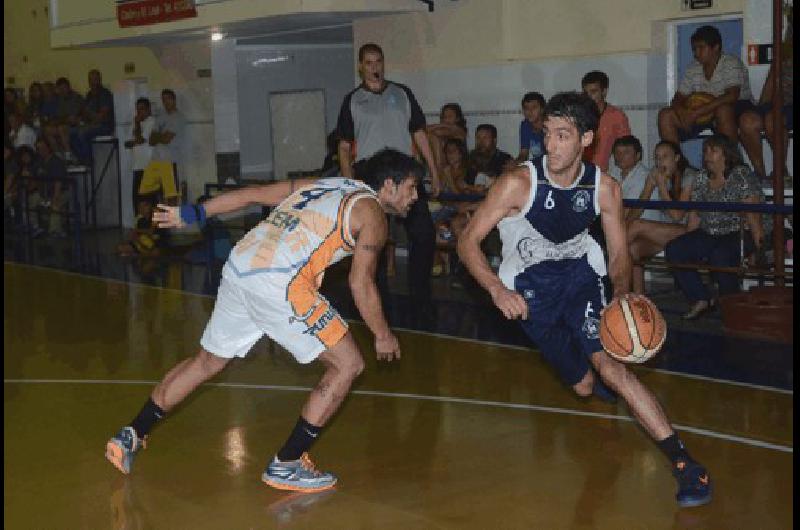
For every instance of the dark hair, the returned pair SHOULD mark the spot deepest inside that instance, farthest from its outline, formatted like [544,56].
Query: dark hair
[462,148]
[145,101]
[62,81]
[23,150]
[683,164]
[35,84]
[168,92]
[708,34]
[595,76]
[730,150]
[43,140]
[575,107]
[455,107]
[389,164]
[369,47]
[534,96]
[630,140]
[487,127]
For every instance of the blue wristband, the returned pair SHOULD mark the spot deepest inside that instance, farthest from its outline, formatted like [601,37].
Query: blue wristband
[193,213]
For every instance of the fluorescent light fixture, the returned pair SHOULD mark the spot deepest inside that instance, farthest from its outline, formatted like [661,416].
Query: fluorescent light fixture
[217,36]
[268,60]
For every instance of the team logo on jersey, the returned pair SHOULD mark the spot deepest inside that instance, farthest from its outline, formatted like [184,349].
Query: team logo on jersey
[525,250]
[580,201]
[591,328]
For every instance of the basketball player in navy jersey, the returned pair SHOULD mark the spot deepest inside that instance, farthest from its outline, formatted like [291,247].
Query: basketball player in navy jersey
[550,276]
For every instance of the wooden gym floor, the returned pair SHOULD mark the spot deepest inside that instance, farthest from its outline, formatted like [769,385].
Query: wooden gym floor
[459,434]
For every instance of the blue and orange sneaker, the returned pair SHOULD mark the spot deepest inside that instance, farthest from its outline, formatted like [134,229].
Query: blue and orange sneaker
[297,475]
[694,484]
[122,447]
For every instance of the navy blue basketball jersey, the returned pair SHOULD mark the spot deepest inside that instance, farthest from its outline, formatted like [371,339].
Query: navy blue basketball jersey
[552,229]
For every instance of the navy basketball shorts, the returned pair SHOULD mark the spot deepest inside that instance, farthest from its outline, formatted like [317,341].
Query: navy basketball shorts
[564,306]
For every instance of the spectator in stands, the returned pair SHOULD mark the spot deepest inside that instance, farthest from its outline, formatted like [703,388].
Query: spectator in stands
[33,111]
[97,118]
[752,123]
[720,75]
[531,129]
[613,122]
[451,125]
[27,167]
[12,104]
[52,193]
[486,161]
[10,172]
[447,216]
[141,150]
[629,170]
[166,139]
[68,116]
[712,236]
[49,106]
[380,113]
[649,231]
[19,132]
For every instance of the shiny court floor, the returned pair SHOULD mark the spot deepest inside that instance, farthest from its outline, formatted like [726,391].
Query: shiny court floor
[459,434]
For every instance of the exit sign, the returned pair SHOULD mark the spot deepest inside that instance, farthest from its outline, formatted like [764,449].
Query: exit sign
[696,4]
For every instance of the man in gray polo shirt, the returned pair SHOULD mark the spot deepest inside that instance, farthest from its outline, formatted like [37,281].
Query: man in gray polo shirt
[380,114]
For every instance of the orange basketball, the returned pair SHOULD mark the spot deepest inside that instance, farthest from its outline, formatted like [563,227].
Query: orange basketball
[632,330]
[698,99]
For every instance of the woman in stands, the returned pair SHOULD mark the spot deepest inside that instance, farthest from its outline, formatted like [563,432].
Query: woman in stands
[649,231]
[451,125]
[713,237]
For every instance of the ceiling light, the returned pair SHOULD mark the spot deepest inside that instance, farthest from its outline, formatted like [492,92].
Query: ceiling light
[217,36]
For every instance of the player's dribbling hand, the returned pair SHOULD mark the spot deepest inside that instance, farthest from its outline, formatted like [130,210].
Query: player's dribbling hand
[167,217]
[510,303]
[387,347]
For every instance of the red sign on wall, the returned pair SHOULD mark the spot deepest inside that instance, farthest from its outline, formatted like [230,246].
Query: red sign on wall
[144,12]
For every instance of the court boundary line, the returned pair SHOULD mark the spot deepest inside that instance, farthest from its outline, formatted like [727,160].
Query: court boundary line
[425,397]
[765,388]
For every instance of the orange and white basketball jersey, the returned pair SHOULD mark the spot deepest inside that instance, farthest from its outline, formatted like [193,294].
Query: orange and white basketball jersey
[304,235]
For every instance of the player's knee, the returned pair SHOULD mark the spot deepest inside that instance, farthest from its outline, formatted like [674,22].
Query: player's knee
[585,386]
[351,366]
[210,363]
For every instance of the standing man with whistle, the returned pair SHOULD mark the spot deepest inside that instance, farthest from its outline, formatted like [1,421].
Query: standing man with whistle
[381,114]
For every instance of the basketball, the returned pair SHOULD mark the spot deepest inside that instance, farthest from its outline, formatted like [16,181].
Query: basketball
[632,330]
[698,99]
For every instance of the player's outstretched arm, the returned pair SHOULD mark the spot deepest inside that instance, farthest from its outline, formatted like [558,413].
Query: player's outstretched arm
[369,228]
[505,198]
[612,216]
[230,201]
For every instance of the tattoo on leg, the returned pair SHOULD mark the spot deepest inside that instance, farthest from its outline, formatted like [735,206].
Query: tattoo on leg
[323,389]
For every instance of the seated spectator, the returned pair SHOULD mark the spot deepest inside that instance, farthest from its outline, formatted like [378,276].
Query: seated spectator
[143,124]
[451,125]
[713,237]
[97,118]
[752,123]
[613,122]
[68,117]
[49,197]
[448,218]
[12,104]
[33,111]
[648,233]
[486,162]
[19,132]
[27,167]
[49,107]
[721,76]
[10,172]
[629,170]
[531,129]
[144,239]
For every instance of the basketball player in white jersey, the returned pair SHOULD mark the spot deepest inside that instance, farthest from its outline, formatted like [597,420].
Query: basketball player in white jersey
[270,286]
[551,274]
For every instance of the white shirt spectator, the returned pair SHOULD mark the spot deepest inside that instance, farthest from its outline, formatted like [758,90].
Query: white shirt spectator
[25,135]
[633,185]
[143,153]
[729,72]
[174,123]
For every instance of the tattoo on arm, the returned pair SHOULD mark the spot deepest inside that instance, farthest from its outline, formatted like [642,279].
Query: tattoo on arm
[370,247]
[323,388]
